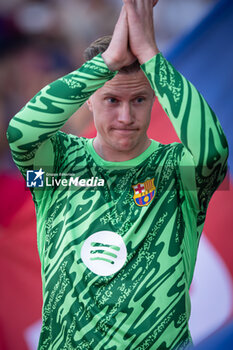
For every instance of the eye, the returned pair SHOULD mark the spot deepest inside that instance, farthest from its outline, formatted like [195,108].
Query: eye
[111,100]
[139,99]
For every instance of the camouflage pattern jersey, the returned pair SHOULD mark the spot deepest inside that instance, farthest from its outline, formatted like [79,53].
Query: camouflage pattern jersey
[117,260]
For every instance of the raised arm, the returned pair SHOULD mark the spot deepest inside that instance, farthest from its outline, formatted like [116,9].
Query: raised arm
[205,147]
[47,112]
[203,160]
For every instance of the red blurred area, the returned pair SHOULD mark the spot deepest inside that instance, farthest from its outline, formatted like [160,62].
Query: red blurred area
[20,292]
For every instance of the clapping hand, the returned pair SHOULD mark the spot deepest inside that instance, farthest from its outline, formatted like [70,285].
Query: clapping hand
[133,37]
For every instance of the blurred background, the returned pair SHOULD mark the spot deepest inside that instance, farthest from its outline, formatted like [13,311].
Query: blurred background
[43,40]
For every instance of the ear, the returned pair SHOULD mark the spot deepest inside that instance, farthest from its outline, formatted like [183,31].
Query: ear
[89,105]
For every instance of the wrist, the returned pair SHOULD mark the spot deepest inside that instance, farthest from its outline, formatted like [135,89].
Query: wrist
[110,63]
[147,54]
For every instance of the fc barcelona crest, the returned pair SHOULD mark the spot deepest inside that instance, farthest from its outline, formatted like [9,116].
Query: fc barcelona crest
[144,192]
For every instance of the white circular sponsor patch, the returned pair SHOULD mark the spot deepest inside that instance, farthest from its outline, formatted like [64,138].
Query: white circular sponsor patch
[104,253]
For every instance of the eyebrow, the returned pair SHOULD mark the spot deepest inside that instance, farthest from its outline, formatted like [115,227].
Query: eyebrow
[140,93]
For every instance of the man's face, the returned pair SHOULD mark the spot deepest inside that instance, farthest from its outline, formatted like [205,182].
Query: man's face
[122,111]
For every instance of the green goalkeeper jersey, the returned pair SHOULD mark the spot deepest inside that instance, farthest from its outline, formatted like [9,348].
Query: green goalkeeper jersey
[118,258]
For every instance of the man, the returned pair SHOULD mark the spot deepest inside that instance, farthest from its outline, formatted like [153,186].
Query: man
[117,261]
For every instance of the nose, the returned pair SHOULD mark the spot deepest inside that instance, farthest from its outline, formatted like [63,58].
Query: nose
[125,115]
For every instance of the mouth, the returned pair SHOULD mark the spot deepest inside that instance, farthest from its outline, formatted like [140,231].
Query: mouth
[125,130]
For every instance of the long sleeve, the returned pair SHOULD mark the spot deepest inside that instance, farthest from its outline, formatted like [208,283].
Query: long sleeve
[48,111]
[205,146]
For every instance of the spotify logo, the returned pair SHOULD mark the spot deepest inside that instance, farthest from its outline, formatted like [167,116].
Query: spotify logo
[104,253]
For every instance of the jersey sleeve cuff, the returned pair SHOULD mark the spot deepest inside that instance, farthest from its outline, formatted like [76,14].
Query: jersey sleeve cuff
[152,67]
[98,68]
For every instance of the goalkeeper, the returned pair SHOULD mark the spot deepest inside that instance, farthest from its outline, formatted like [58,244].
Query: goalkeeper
[117,260]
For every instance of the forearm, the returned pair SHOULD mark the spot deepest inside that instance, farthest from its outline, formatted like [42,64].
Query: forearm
[195,123]
[47,112]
